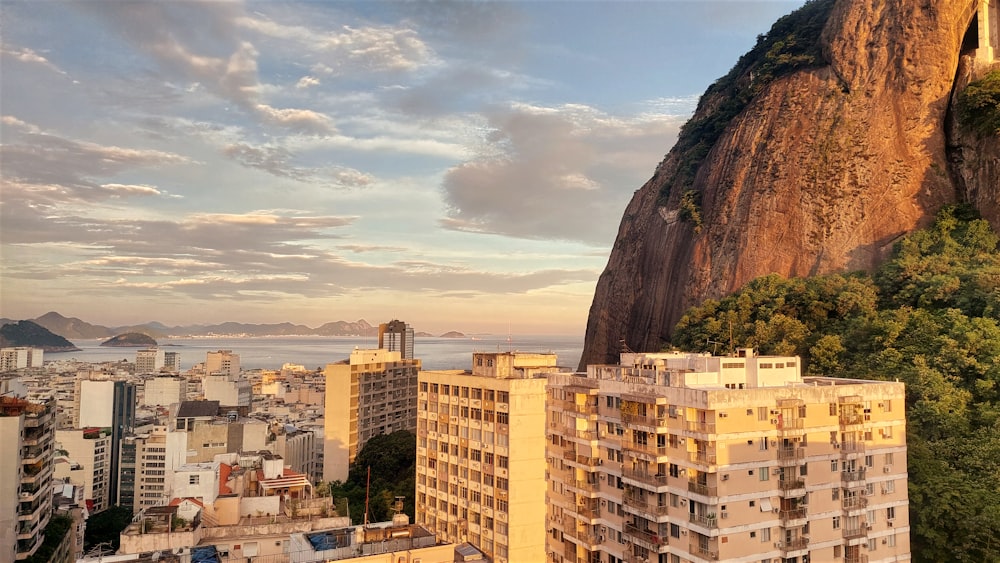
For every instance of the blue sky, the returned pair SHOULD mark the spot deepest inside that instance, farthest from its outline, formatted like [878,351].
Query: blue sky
[460,165]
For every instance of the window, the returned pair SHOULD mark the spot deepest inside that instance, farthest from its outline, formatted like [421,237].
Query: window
[761,413]
[890,512]
[804,470]
[675,531]
[502,483]
[763,444]
[888,458]
[488,458]
[872,544]
[765,535]
[423,386]
[837,549]
[502,461]
[503,397]
[194,479]
[836,522]
[889,487]
[501,505]
[674,470]
[869,461]
[502,418]
[890,540]
[833,465]
[764,474]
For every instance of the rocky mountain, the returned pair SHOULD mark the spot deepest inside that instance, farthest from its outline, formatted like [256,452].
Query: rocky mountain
[833,137]
[27,333]
[72,327]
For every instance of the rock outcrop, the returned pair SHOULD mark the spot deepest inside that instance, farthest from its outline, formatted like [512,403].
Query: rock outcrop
[820,169]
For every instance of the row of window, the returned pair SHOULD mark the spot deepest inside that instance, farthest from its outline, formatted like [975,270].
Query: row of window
[466,392]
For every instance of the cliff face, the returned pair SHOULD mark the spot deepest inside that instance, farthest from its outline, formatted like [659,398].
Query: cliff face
[821,170]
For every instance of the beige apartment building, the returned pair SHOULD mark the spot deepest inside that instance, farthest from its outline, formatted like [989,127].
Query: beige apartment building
[374,393]
[481,454]
[26,432]
[676,457]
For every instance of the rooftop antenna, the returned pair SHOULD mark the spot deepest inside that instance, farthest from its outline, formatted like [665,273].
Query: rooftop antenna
[368,487]
[714,348]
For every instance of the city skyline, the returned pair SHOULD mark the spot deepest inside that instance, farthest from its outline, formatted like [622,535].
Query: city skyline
[451,164]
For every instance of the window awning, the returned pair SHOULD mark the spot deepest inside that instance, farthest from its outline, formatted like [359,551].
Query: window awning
[765,505]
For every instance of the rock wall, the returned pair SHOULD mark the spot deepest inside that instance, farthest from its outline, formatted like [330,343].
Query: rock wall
[822,171]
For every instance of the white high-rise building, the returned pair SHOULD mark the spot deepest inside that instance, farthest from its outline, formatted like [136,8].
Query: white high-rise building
[19,358]
[150,360]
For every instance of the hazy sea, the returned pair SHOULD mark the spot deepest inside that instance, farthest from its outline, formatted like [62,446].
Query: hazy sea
[270,352]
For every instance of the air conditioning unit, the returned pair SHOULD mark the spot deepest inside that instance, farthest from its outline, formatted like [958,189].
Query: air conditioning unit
[887,469]
[774,510]
[836,445]
[889,522]
[881,405]
[724,514]
[774,411]
[774,421]
[776,471]
[725,476]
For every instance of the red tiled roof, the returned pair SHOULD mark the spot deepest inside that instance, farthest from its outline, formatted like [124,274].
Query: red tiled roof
[225,470]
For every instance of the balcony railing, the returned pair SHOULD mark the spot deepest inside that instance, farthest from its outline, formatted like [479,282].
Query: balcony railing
[855,559]
[791,484]
[790,453]
[855,475]
[647,536]
[644,477]
[644,420]
[855,503]
[790,424]
[853,447]
[700,427]
[793,514]
[704,456]
[589,486]
[851,533]
[851,419]
[794,544]
[650,449]
[706,520]
[707,553]
[701,489]
[583,409]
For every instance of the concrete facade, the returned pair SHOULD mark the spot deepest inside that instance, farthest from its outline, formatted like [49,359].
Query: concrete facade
[373,394]
[164,391]
[480,469]
[224,362]
[26,430]
[150,360]
[693,458]
[20,357]
[90,448]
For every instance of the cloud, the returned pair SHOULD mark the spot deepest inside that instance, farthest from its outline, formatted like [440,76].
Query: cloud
[198,42]
[351,49]
[278,161]
[307,82]
[561,172]
[130,189]
[29,56]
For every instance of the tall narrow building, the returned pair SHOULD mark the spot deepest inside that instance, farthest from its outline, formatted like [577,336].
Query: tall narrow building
[481,454]
[692,458]
[27,435]
[396,336]
[374,393]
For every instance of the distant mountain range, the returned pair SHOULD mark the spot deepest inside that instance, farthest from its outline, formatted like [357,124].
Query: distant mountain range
[27,333]
[73,328]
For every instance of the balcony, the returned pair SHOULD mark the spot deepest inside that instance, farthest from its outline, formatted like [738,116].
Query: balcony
[644,506]
[791,484]
[793,514]
[648,449]
[700,427]
[790,425]
[585,434]
[582,409]
[852,533]
[704,456]
[852,419]
[794,544]
[705,552]
[852,447]
[706,520]
[644,420]
[648,537]
[658,480]
[703,489]
[854,475]
[855,559]
[855,502]
[790,453]
[586,486]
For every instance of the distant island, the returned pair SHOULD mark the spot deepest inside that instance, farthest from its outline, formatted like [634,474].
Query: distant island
[130,340]
[71,327]
[27,333]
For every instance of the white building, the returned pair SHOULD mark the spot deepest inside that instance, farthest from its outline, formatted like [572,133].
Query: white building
[197,480]
[91,448]
[19,358]
[149,360]
[164,391]
[230,390]
[95,403]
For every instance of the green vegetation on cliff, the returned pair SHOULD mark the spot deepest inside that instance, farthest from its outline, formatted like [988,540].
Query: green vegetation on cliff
[930,318]
[979,105]
[791,44]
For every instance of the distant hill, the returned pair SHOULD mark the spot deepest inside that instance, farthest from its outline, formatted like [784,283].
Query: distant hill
[28,333]
[76,328]
[453,334]
[130,340]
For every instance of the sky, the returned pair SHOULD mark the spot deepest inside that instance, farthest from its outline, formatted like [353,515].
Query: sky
[457,165]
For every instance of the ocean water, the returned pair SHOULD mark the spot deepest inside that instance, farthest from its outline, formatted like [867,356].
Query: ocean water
[317,351]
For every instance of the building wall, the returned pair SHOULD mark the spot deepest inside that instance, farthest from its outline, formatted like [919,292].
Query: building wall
[645,464]
[10,482]
[165,391]
[340,436]
[480,470]
[229,390]
[97,401]
[150,360]
[222,361]
[95,456]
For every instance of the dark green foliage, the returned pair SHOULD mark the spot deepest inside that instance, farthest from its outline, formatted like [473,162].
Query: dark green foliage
[930,318]
[393,461]
[791,44]
[28,333]
[979,105]
[690,209]
[55,532]
[106,526]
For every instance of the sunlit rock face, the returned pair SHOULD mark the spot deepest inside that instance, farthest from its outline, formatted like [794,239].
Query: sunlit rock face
[821,171]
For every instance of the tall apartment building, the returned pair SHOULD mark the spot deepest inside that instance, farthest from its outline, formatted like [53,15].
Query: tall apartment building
[19,358]
[156,456]
[222,361]
[396,336]
[229,390]
[374,393]
[480,468]
[91,448]
[164,391]
[689,458]
[150,360]
[26,431]
[172,362]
